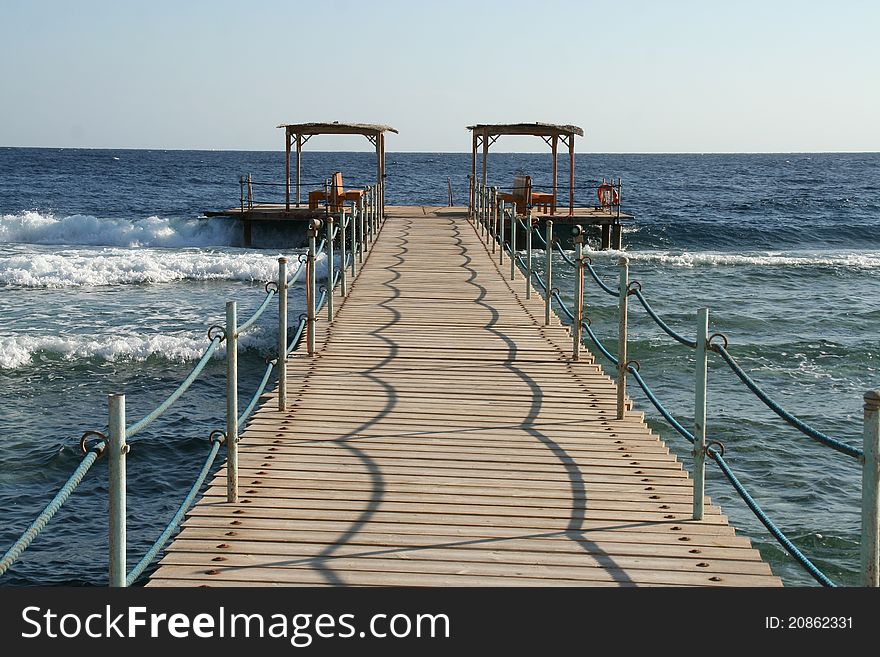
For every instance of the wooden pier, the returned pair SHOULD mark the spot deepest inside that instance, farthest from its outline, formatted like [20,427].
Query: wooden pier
[442,436]
[605,220]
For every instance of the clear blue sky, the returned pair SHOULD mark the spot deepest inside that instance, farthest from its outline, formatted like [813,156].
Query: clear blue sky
[638,76]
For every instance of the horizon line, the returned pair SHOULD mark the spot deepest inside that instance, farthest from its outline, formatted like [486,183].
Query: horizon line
[251,150]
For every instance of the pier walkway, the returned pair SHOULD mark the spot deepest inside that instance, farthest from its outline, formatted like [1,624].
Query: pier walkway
[442,436]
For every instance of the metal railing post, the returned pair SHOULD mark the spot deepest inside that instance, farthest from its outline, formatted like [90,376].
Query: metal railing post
[529,231]
[870,495]
[355,240]
[311,297]
[622,338]
[116,451]
[486,214]
[281,363]
[363,227]
[371,215]
[494,226]
[501,233]
[513,230]
[482,210]
[231,402]
[241,193]
[702,374]
[250,185]
[374,214]
[577,333]
[478,206]
[343,254]
[331,265]
[548,273]
[489,212]
[470,196]
[485,211]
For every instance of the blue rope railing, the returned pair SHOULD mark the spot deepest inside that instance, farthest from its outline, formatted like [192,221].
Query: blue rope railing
[157,412]
[175,521]
[37,526]
[93,453]
[675,335]
[595,275]
[256,397]
[794,421]
[756,389]
[781,538]
[270,294]
[752,504]
[27,537]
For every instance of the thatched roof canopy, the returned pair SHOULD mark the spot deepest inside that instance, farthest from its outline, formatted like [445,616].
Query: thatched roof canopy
[336,128]
[535,129]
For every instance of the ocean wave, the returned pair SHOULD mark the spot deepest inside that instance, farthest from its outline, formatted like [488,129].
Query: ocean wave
[21,350]
[852,260]
[37,228]
[90,268]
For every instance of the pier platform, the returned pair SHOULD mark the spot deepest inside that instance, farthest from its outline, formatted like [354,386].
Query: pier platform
[441,435]
[278,214]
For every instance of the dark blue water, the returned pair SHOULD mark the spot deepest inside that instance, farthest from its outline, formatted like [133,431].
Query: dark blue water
[109,279]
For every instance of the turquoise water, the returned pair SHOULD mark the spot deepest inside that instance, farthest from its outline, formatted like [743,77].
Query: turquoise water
[109,280]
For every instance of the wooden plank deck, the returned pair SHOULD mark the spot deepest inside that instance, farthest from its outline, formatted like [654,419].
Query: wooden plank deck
[441,436]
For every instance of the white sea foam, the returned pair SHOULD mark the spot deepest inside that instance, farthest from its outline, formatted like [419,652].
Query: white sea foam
[852,260]
[89,267]
[20,350]
[38,228]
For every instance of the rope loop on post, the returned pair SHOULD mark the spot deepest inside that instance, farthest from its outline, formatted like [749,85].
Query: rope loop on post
[634,364]
[633,287]
[213,438]
[271,286]
[712,337]
[213,332]
[715,453]
[99,450]
[302,258]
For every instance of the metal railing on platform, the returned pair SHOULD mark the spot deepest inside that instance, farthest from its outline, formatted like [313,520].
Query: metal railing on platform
[489,217]
[248,198]
[365,218]
[607,193]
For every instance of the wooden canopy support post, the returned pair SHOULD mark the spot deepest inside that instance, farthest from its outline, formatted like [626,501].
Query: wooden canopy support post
[474,158]
[287,170]
[299,147]
[571,174]
[381,200]
[485,155]
[377,142]
[554,146]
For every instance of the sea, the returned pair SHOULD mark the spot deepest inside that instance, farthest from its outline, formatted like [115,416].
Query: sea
[110,276]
